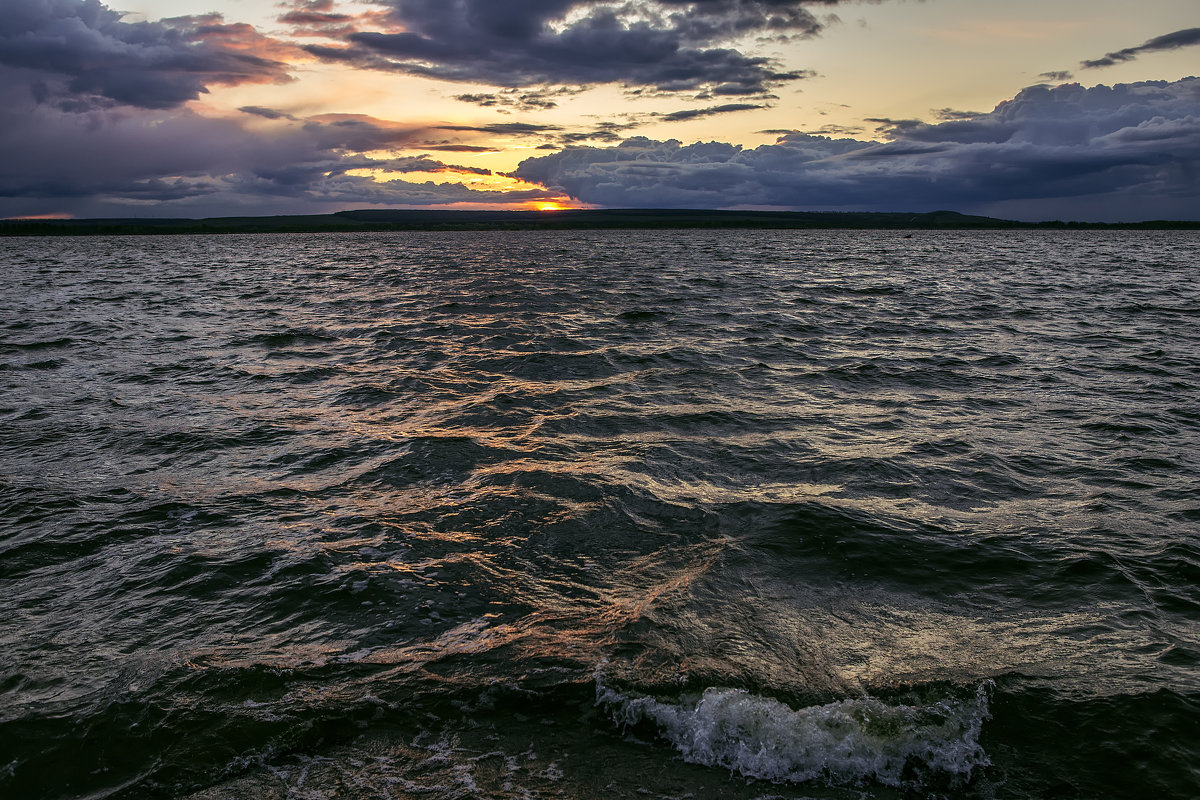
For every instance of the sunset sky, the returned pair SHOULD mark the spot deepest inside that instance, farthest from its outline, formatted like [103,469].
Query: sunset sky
[1071,109]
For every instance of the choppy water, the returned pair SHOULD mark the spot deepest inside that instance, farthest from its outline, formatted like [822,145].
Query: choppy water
[597,515]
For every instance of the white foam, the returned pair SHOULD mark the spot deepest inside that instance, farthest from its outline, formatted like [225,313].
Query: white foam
[863,738]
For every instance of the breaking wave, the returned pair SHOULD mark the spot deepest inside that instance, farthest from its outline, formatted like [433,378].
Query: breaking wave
[847,741]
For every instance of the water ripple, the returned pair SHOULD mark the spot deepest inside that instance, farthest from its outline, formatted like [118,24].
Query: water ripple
[348,515]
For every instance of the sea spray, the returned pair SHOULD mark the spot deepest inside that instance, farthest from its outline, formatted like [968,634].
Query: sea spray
[848,741]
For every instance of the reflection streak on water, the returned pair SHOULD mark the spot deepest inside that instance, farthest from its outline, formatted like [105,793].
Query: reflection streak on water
[804,464]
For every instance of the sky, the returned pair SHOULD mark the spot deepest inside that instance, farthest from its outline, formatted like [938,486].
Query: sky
[1071,109]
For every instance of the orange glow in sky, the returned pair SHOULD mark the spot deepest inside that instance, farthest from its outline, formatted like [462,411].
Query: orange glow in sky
[290,106]
[43,216]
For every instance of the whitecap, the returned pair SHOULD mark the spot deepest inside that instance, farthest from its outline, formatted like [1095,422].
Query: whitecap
[849,741]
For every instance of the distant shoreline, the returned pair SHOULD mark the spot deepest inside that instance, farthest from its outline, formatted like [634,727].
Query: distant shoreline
[586,219]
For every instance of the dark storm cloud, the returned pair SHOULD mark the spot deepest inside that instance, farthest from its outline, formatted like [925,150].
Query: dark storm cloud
[1058,75]
[1110,152]
[83,53]
[1171,41]
[670,45]
[126,161]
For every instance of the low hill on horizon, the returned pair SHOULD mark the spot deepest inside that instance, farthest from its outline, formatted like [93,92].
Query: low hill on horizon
[572,219]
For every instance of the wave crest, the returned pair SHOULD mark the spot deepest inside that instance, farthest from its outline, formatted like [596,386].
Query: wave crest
[848,741]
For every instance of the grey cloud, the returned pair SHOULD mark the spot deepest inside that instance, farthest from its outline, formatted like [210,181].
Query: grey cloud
[315,13]
[1170,41]
[145,162]
[1110,152]
[360,133]
[605,131]
[425,164]
[696,113]
[266,113]
[403,164]
[503,128]
[1058,75]
[80,49]
[670,45]
[320,19]
[946,114]
[458,148]
[338,191]
[529,101]
[893,128]
[835,130]
[486,100]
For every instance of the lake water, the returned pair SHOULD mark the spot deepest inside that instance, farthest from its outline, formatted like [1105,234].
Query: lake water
[800,514]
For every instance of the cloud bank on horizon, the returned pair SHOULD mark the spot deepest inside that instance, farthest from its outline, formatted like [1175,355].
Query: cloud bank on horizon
[99,116]
[1096,151]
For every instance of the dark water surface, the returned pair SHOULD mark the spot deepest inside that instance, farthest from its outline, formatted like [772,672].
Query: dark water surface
[598,515]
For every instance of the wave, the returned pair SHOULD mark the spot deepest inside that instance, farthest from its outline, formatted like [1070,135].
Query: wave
[848,741]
